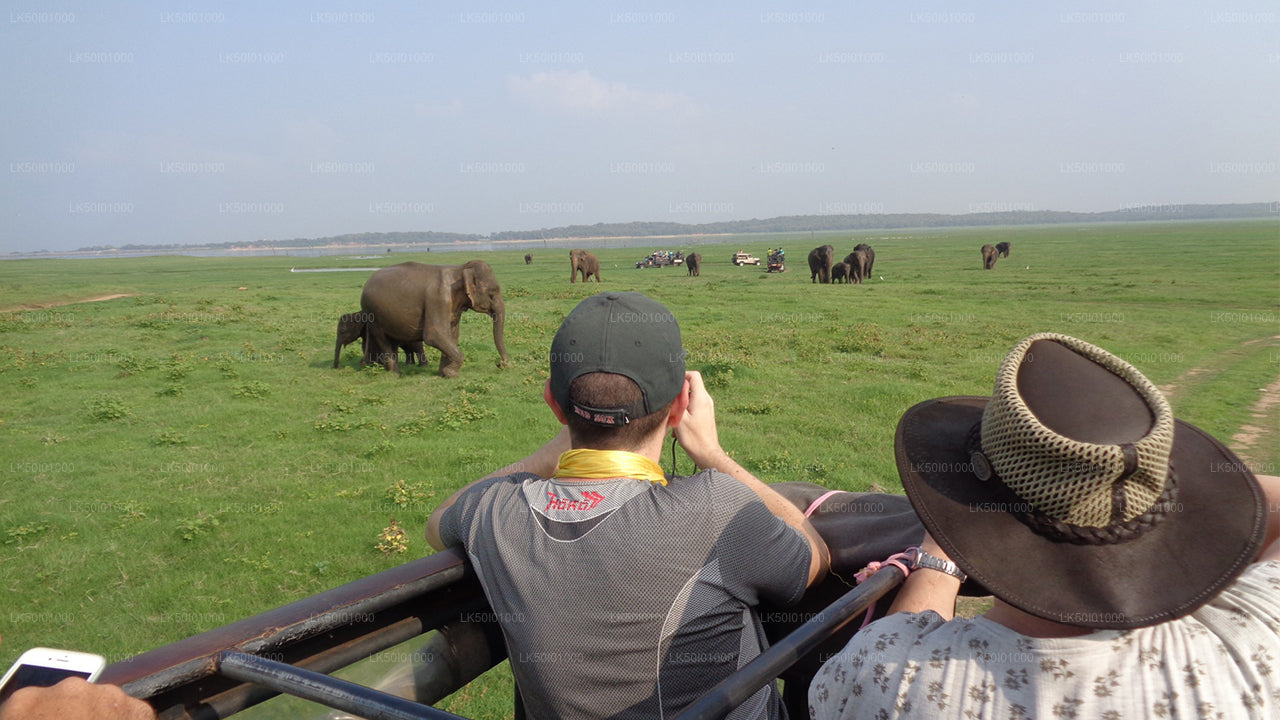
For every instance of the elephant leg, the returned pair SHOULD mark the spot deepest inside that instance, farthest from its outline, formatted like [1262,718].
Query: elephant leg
[446,342]
[382,351]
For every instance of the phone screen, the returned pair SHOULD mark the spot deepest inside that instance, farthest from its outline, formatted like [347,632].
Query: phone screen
[38,675]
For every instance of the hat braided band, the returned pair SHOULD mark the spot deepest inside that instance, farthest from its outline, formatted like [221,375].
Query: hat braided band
[1083,484]
[1055,529]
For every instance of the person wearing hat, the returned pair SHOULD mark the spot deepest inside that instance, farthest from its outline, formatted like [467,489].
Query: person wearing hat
[622,592]
[1133,558]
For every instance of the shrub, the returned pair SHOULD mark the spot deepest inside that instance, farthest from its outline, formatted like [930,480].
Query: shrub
[192,528]
[392,539]
[108,407]
[19,535]
[169,437]
[255,389]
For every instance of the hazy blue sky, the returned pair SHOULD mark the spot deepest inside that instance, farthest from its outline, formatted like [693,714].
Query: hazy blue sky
[221,121]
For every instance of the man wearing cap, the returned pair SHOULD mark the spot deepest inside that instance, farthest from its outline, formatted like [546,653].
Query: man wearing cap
[623,593]
[1133,558]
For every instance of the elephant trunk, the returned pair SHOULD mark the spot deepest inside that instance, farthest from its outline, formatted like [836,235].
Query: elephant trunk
[337,352]
[499,315]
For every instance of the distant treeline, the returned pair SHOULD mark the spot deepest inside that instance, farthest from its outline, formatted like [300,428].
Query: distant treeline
[788,223]
[836,223]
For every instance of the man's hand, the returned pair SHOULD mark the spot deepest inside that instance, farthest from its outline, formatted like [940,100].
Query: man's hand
[74,699]
[697,432]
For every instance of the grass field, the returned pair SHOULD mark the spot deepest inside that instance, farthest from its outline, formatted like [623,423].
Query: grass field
[185,456]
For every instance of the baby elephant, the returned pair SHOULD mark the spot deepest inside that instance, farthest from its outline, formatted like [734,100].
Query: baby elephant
[353,326]
[840,273]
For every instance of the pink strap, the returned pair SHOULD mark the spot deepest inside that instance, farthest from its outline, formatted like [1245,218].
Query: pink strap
[898,561]
[821,499]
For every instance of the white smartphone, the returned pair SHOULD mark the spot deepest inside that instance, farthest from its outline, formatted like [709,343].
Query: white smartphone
[45,667]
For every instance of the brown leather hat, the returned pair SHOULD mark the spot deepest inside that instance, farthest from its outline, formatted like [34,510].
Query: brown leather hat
[1073,494]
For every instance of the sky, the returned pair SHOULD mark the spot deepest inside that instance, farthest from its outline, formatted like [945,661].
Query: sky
[188,123]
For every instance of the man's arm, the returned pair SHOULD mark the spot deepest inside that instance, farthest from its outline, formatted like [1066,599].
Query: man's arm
[541,462]
[698,436]
[927,589]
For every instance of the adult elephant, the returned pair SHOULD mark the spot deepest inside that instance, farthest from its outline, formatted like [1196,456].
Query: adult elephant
[585,262]
[412,301]
[840,273]
[528,258]
[1003,249]
[820,260]
[354,326]
[693,261]
[871,258]
[989,256]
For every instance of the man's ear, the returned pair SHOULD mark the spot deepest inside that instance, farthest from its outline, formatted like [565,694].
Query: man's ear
[551,403]
[679,405]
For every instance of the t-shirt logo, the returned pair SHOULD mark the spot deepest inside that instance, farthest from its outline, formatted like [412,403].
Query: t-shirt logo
[590,499]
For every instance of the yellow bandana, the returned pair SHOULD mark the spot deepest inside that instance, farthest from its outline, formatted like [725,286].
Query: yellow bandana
[588,463]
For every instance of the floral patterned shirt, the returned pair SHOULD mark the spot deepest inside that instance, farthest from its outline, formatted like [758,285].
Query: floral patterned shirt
[1221,661]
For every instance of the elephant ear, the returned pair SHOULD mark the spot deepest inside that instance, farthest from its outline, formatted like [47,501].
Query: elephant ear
[472,284]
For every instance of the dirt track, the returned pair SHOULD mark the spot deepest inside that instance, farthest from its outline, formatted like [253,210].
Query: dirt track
[42,306]
[1258,431]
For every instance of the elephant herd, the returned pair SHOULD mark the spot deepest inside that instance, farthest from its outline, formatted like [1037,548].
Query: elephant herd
[855,267]
[991,252]
[411,305]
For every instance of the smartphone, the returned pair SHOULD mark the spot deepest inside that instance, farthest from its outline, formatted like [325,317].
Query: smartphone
[45,667]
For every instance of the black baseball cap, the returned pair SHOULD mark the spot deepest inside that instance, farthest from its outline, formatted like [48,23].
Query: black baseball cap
[624,333]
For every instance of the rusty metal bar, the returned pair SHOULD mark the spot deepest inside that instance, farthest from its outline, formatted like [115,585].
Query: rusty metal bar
[328,691]
[461,652]
[321,633]
[734,690]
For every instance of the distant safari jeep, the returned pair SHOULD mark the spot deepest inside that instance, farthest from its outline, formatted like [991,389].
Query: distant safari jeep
[741,258]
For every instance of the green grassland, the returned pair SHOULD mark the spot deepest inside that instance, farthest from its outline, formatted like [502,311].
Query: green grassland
[183,457]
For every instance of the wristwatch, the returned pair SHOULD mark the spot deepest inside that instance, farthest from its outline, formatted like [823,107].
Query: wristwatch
[921,559]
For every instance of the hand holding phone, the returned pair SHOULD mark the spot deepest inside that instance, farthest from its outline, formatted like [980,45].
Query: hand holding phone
[45,667]
[48,684]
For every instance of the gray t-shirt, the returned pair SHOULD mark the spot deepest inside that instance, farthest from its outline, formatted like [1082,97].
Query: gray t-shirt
[624,598]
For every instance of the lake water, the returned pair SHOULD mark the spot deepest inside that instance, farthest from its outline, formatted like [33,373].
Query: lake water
[648,244]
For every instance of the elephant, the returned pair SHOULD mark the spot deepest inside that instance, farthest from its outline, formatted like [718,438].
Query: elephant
[860,262]
[1003,249]
[416,302]
[989,256]
[354,326]
[585,262]
[528,258]
[820,259]
[840,273]
[693,261]
[871,258]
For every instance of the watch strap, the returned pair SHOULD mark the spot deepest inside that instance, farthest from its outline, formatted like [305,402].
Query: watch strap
[922,559]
